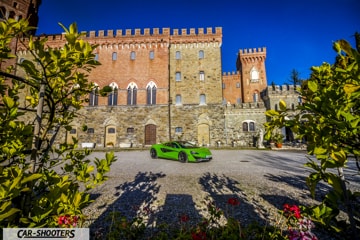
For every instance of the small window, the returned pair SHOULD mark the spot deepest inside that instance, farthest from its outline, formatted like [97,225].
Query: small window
[90,130]
[132,55]
[178,76]
[178,130]
[223,86]
[202,99]
[256,97]
[73,131]
[177,55]
[96,57]
[238,100]
[151,55]
[178,100]
[130,130]
[237,85]
[111,130]
[202,75]
[201,54]
[114,56]
[252,126]
[245,127]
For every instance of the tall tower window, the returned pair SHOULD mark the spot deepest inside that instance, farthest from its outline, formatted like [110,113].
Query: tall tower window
[178,55]
[201,54]
[132,55]
[202,99]
[178,76]
[96,57]
[178,100]
[131,94]
[151,93]
[114,56]
[151,55]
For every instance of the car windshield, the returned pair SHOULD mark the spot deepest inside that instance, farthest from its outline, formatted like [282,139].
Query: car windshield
[186,144]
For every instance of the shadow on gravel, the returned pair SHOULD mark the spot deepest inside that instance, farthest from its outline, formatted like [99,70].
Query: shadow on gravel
[223,188]
[134,196]
[278,196]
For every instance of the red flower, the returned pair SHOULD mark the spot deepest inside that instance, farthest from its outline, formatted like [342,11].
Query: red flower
[233,201]
[292,210]
[198,236]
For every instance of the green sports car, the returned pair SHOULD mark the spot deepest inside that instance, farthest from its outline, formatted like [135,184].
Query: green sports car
[180,150]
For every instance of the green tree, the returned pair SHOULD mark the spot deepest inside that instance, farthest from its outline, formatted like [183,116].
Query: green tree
[329,118]
[41,185]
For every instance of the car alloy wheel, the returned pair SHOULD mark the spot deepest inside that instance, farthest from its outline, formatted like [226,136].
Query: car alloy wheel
[182,157]
[153,153]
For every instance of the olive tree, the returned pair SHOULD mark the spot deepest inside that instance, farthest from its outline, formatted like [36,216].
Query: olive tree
[39,183]
[329,119]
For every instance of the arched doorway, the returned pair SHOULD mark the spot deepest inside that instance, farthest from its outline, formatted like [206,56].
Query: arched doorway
[150,134]
[203,134]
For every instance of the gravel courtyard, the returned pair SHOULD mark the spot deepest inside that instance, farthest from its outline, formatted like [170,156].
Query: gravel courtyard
[262,180]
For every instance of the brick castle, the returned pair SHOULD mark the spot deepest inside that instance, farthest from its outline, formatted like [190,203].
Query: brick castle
[168,84]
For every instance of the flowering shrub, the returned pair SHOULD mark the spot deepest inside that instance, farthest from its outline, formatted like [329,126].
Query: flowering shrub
[67,221]
[292,225]
[299,227]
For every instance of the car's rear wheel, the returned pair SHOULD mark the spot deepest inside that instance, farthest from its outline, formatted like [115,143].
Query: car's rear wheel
[153,153]
[183,157]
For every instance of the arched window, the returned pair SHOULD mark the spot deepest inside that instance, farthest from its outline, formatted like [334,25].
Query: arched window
[94,96]
[151,93]
[256,97]
[178,76]
[201,54]
[251,126]
[245,127]
[2,12]
[112,97]
[254,75]
[131,94]
[248,126]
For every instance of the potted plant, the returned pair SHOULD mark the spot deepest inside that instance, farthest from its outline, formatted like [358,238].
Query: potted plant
[278,139]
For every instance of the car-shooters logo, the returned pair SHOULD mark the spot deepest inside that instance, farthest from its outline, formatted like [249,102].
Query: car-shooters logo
[46,233]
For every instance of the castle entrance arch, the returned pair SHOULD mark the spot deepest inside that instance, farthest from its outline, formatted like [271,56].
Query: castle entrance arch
[150,134]
[203,134]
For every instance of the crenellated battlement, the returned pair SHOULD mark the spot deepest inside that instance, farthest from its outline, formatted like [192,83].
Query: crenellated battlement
[284,89]
[231,73]
[146,35]
[253,105]
[252,51]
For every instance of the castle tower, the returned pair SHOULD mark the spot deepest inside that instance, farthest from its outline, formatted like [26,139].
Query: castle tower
[195,66]
[20,9]
[251,64]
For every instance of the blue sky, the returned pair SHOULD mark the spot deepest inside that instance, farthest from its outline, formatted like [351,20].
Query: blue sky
[298,34]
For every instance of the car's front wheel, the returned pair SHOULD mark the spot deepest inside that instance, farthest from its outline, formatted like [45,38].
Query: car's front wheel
[153,153]
[182,157]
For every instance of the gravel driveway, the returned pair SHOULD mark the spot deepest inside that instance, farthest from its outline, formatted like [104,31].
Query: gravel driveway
[262,180]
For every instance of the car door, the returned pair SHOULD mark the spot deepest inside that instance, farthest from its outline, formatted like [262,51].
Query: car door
[167,150]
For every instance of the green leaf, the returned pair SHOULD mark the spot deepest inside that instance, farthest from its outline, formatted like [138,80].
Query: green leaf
[282,105]
[312,86]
